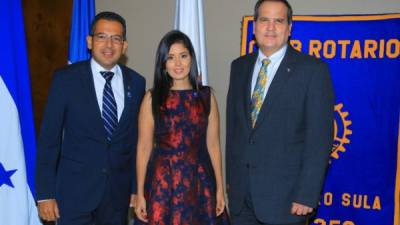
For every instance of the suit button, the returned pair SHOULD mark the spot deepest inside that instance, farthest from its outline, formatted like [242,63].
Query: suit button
[252,142]
[247,165]
[104,170]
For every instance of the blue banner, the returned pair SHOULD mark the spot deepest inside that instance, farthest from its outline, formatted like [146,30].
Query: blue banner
[363,182]
[83,12]
[17,137]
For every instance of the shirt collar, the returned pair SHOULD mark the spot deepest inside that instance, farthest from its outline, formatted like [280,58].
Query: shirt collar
[274,57]
[97,68]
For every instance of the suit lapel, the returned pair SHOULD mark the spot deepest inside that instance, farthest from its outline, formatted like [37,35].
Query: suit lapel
[129,93]
[282,74]
[248,71]
[88,84]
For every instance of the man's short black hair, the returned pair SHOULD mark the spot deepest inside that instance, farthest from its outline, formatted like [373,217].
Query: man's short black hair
[288,6]
[111,16]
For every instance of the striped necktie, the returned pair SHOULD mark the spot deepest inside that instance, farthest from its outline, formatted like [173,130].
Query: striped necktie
[109,112]
[259,91]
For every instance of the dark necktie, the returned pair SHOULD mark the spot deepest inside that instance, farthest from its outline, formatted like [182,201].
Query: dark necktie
[109,112]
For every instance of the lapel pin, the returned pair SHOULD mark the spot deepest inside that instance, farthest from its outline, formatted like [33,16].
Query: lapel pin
[288,70]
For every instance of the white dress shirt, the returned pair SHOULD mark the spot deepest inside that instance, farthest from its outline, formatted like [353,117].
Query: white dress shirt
[117,84]
[273,66]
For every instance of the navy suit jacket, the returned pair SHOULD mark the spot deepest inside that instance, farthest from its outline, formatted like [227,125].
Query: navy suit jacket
[75,162]
[283,158]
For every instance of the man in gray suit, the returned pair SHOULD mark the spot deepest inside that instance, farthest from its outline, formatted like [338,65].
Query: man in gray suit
[279,125]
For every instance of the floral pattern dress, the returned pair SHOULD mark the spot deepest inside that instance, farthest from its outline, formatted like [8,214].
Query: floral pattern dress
[180,184]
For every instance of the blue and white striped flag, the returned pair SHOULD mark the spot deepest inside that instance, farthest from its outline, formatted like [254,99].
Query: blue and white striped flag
[83,13]
[189,19]
[17,138]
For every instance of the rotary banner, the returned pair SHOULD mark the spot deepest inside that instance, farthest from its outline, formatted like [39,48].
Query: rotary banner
[363,181]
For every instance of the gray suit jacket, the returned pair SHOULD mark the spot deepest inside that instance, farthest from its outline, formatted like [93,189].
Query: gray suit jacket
[282,159]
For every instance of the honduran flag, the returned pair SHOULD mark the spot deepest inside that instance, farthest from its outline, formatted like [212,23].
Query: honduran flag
[17,138]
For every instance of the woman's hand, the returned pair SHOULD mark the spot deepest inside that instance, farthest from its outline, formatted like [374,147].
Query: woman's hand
[220,202]
[132,201]
[140,209]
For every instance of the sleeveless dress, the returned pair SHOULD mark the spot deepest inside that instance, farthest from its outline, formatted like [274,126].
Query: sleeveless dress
[180,183]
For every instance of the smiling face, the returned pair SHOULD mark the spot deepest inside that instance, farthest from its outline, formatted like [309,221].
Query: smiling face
[104,44]
[272,29]
[178,63]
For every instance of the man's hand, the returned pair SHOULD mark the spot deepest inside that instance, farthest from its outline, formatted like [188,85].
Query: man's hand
[48,210]
[132,202]
[300,210]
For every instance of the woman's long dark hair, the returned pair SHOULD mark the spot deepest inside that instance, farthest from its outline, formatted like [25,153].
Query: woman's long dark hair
[162,80]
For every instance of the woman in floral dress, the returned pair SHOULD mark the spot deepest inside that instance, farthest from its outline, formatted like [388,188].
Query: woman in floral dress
[179,172]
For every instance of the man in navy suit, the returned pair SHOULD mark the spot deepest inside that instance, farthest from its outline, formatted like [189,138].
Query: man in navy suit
[279,125]
[85,166]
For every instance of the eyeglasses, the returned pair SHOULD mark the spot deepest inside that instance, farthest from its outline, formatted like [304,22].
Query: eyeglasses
[115,39]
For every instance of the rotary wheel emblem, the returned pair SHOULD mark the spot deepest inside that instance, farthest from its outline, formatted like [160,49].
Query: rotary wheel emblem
[341,131]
